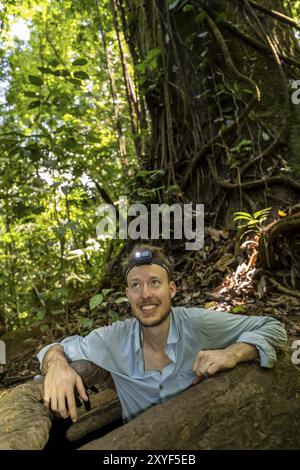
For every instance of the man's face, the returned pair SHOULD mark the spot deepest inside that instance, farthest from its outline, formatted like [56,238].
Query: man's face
[150,292]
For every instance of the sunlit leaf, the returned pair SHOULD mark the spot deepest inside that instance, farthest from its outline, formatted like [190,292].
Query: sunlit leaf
[121,300]
[281,213]
[174,4]
[238,309]
[96,300]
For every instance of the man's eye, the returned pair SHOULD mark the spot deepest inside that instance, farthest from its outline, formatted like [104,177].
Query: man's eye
[155,282]
[135,285]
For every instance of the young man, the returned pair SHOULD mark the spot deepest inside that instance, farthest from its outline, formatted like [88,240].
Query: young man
[163,350]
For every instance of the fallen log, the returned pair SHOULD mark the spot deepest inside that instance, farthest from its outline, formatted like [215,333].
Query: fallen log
[244,408]
[25,423]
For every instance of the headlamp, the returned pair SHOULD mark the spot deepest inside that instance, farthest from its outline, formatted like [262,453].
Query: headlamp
[146,257]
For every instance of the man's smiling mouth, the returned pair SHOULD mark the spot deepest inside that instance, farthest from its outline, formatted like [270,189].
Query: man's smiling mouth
[148,307]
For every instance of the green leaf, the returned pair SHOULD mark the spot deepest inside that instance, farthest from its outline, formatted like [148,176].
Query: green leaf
[265,136]
[262,212]
[220,18]
[57,312]
[61,73]
[74,81]
[114,316]
[37,81]
[40,314]
[31,94]
[238,309]
[174,4]
[8,142]
[79,62]
[66,189]
[242,216]
[121,300]
[54,63]
[201,17]
[106,291]
[60,232]
[253,222]
[81,75]
[92,139]
[187,8]
[96,300]
[34,104]
[45,70]
[86,323]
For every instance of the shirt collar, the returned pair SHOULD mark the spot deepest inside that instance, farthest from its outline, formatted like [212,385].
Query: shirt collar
[173,335]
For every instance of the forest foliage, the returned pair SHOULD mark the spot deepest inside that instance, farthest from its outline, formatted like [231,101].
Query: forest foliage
[66,139]
[74,130]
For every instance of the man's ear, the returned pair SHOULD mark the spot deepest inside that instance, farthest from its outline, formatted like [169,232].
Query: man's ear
[126,292]
[173,289]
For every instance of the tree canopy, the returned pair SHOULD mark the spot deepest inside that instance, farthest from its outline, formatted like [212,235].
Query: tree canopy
[69,133]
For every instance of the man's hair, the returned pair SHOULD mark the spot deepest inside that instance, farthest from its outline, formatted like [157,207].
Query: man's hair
[157,254]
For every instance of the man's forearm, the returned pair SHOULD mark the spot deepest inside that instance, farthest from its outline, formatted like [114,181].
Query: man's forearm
[243,351]
[53,354]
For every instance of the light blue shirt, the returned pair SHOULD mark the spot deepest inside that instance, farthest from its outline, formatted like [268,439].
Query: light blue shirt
[118,349]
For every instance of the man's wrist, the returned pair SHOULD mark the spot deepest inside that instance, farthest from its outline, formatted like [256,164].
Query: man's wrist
[243,352]
[54,354]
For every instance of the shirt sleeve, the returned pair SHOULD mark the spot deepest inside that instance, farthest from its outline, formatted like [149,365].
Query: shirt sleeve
[97,347]
[223,329]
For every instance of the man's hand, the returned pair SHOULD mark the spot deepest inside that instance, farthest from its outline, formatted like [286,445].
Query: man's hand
[211,361]
[59,385]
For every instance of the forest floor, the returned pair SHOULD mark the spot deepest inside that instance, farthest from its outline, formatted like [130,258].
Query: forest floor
[218,277]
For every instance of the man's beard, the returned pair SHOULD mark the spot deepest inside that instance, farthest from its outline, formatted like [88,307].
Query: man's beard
[159,321]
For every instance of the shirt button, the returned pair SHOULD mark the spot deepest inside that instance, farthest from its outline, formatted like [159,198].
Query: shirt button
[161,387]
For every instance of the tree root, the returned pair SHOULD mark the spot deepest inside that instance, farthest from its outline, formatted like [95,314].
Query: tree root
[284,290]
[270,242]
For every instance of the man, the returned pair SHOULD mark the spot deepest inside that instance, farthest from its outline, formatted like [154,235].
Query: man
[163,350]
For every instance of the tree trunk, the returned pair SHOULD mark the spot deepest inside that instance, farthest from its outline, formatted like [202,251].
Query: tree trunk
[245,408]
[216,76]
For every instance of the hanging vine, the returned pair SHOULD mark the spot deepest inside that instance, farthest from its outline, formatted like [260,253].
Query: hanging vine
[219,111]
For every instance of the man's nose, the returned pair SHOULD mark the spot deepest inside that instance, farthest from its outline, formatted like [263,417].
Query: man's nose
[146,292]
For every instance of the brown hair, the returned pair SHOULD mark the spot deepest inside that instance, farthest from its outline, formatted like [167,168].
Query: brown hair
[157,252]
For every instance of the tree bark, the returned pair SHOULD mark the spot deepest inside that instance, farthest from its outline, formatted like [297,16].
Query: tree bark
[245,408]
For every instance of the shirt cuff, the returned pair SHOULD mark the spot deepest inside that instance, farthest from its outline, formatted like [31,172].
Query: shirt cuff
[267,353]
